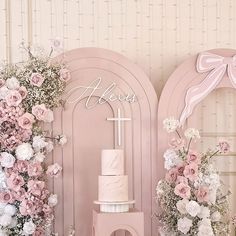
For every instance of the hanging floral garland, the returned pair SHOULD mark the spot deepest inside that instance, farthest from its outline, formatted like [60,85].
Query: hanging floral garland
[28,93]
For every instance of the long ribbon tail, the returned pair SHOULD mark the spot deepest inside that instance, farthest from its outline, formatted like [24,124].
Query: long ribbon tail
[198,92]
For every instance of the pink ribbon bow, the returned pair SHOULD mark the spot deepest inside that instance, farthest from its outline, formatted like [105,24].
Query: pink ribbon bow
[217,66]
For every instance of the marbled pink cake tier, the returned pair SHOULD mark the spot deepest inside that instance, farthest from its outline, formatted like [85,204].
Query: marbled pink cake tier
[113,188]
[113,162]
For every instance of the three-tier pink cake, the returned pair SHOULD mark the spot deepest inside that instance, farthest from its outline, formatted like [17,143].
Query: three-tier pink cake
[113,183]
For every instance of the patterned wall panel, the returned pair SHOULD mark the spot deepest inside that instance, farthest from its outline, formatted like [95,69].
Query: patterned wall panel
[156,34]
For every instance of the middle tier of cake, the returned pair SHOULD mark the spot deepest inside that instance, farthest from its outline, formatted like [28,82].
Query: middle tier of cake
[113,188]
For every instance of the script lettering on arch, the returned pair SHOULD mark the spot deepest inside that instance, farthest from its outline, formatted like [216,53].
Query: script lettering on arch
[107,94]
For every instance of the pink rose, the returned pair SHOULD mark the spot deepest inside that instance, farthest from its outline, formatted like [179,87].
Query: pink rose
[19,195]
[36,79]
[26,121]
[15,182]
[202,194]
[224,147]
[39,111]
[23,92]
[177,143]
[180,169]
[36,187]
[35,169]
[13,98]
[54,170]
[6,197]
[191,171]
[193,157]
[39,232]
[27,208]
[21,166]
[65,75]
[2,82]
[182,179]
[171,175]
[182,190]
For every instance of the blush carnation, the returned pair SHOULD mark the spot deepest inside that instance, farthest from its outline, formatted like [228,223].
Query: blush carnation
[35,169]
[223,147]
[15,182]
[27,207]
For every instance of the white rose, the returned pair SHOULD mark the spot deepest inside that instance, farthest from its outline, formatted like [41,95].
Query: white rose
[181,206]
[7,160]
[49,146]
[193,208]
[205,228]
[204,213]
[49,117]
[62,140]
[170,124]
[171,159]
[191,133]
[12,83]
[5,220]
[39,143]
[2,207]
[24,152]
[10,210]
[184,225]
[13,223]
[52,200]
[39,157]
[215,216]
[4,91]
[29,228]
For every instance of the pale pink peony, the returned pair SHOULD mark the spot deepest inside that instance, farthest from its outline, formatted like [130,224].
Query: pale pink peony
[36,79]
[202,194]
[15,182]
[27,208]
[171,175]
[224,147]
[65,75]
[23,92]
[36,187]
[21,166]
[35,169]
[6,197]
[182,190]
[13,98]
[39,111]
[191,171]
[193,157]
[26,121]
[54,170]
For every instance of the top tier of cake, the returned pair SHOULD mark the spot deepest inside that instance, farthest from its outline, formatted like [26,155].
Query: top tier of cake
[113,162]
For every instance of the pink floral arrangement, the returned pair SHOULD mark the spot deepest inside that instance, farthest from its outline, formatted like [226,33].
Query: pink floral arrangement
[26,101]
[191,196]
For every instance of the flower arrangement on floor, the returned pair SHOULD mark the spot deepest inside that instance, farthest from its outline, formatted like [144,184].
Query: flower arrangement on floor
[191,197]
[28,93]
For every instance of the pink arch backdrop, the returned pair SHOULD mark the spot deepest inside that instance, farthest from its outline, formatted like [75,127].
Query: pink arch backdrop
[88,132]
[172,100]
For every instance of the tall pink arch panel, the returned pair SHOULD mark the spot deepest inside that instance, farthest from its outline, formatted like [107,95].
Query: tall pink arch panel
[89,132]
[172,99]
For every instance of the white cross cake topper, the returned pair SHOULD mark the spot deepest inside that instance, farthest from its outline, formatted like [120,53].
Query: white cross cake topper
[119,119]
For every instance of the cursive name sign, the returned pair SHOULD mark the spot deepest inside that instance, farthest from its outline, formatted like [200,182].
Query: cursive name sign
[107,94]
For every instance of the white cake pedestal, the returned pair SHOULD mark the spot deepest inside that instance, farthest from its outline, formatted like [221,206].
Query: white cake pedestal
[114,207]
